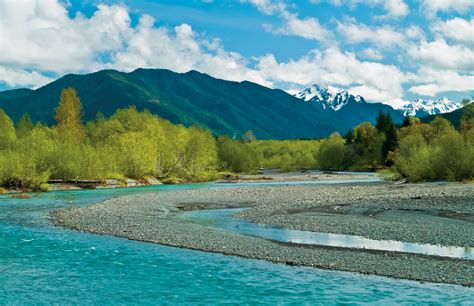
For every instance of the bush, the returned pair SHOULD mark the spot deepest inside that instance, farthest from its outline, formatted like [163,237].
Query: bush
[435,151]
[331,153]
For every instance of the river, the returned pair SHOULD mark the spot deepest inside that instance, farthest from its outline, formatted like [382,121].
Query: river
[40,263]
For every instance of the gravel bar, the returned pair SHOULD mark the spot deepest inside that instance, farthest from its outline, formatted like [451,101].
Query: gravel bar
[435,213]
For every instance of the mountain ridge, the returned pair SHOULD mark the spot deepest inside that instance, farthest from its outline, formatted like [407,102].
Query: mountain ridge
[337,99]
[193,98]
[422,107]
[329,97]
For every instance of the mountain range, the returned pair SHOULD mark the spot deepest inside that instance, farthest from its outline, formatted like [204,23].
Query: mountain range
[195,98]
[329,97]
[421,108]
[336,99]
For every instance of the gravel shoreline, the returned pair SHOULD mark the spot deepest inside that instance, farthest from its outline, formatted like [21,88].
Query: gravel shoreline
[436,213]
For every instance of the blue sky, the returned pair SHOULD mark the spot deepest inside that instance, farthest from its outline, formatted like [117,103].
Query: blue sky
[386,50]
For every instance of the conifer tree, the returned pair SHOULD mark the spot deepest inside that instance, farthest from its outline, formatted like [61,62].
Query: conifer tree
[385,125]
[467,119]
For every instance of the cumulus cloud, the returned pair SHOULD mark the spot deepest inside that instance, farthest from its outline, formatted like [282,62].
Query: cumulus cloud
[378,82]
[356,33]
[457,29]
[40,36]
[436,81]
[268,7]
[394,8]
[181,50]
[373,54]
[434,6]
[19,77]
[439,54]
[39,40]
[308,28]
[414,32]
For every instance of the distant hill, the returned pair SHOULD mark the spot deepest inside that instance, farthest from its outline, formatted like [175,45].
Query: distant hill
[454,117]
[224,107]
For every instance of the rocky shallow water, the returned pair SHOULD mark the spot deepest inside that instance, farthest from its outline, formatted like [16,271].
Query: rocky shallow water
[435,213]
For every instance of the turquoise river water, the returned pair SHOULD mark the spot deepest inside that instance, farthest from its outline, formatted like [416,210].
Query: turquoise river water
[40,263]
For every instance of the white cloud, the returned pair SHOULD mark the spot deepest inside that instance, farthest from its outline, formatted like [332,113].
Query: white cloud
[378,82]
[434,6]
[19,77]
[39,39]
[456,29]
[268,7]
[441,55]
[394,8]
[436,81]
[308,28]
[414,32]
[384,36]
[40,36]
[371,53]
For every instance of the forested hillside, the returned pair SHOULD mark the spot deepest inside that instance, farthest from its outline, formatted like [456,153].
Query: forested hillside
[193,98]
[137,144]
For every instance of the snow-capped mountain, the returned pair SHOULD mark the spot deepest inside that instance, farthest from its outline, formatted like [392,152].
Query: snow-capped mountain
[335,98]
[421,108]
[330,97]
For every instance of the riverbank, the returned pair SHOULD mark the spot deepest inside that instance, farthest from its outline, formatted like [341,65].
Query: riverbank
[436,213]
[273,175]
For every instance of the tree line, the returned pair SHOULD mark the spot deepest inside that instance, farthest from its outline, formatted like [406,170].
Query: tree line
[134,144]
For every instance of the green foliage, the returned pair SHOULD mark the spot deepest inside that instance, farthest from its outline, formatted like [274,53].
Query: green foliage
[128,144]
[366,146]
[467,119]
[193,98]
[135,154]
[24,126]
[414,158]
[68,116]
[236,156]
[286,155]
[434,151]
[138,144]
[200,155]
[7,131]
[331,153]
[385,125]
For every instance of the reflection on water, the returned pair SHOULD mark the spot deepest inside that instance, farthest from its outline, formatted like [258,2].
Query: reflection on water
[43,264]
[221,219]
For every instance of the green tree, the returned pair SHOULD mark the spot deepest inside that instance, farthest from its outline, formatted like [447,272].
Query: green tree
[385,125]
[200,157]
[236,156]
[367,145]
[331,152]
[69,116]
[24,126]
[7,131]
[467,119]
[407,121]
